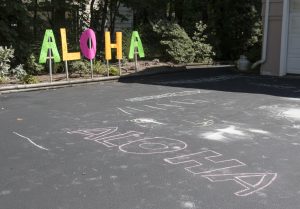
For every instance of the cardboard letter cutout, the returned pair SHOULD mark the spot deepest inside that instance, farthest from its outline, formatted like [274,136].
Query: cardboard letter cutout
[88,52]
[49,44]
[109,46]
[136,43]
[65,54]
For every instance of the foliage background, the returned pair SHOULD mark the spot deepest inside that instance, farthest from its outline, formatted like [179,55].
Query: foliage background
[169,29]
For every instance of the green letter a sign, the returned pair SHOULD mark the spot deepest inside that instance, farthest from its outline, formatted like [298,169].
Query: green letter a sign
[136,43]
[49,43]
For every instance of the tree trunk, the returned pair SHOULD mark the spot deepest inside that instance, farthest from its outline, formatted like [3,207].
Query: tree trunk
[114,13]
[35,19]
[178,7]
[59,16]
[103,22]
[171,10]
[93,19]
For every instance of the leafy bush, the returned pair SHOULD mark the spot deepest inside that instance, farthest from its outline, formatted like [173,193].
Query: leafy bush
[2,80]
[254,53]
[234,26]
[113,71]
[29,79]
[6,55]
[15,27]
[176,42]
[255,43]
[80,67]
[32,67]
[151,42]
[99,68]
[18,72]
[203,50]
[59,67]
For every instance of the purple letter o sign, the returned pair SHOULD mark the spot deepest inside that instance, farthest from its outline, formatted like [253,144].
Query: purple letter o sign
[88,36]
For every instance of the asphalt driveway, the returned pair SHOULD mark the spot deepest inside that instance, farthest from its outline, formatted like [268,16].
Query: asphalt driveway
[201,139]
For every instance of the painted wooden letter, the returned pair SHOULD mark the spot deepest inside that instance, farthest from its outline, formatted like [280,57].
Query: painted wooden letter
[49,44]
[136,43]
[65,54]
[109,46]
[88,44]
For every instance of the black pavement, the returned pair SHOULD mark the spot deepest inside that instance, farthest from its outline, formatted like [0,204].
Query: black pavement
[200,139]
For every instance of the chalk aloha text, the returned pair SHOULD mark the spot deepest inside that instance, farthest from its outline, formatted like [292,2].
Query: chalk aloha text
[208,164]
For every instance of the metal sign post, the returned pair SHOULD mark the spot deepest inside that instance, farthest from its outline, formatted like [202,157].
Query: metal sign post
[91,61]
[135,59]
[67,70]
[92,70]
[50,64]
[107,66]
[120,68]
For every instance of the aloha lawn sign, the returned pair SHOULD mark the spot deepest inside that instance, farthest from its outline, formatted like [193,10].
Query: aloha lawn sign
[88,46]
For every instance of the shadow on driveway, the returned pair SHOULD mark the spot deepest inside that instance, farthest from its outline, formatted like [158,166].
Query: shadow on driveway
[223,79]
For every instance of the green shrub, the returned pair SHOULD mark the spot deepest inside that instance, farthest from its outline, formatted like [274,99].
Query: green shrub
[254,53]
[203,50]
[59,67]
[18,72]
[6,55]
[29,79]
[113,71]
[151,42]
[255,44]
[2,80]
[177,44]
[99,68]
[234,26]
[80,67]
[32,67]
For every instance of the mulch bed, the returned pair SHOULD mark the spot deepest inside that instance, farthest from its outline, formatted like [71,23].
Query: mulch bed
[127,69]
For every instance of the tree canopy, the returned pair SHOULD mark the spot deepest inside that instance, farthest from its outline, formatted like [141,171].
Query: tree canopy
[231,27]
